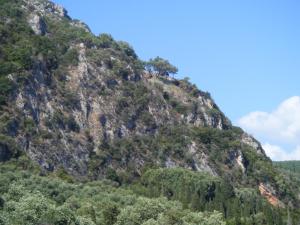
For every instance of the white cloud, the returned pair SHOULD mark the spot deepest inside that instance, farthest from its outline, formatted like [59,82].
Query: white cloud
[276,153]
[283,124]
[277,128]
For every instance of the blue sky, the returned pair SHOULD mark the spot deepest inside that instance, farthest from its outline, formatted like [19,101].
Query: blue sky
[245,53]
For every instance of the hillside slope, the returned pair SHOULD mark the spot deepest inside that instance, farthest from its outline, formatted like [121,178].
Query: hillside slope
[86,105]
[73,97]
[293,166]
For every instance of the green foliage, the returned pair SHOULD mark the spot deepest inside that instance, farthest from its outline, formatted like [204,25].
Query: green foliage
[190,88]
[127,49]
[161,66]
[201,191]
[70,99]
[72,124]
[29,200]
[32,199]
[101,57]
[213,112]
[6,86]
[8,148]
[20,48]
[288,179]
[15,48]
[196,190]
[120,69]
[111,174]
[293,166]
[106,41]
[163,196]
[29,126]
[61,121]
[179,107]
[70,57]
[62,174]
[64,34]
[110,213]
[159,211]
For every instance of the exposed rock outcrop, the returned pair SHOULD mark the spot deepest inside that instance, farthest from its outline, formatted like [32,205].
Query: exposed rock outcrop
[37,24]
[87,103]
[249,140]
[269,193]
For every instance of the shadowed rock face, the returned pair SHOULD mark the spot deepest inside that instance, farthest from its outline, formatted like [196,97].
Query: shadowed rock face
[5,153]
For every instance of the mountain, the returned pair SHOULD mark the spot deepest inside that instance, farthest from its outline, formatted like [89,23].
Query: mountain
[83,108]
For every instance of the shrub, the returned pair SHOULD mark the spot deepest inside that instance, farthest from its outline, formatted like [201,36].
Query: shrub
[127,49]
[29,126]
[110,213]
[71,57]
[105,41]
[71,100]
[6,86]
[8,148]
[72,124]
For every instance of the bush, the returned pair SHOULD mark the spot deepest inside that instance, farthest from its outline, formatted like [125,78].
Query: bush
[70,100]
[71,57]
[127,49]
[72,124]
[8,148]
[105,41]
[6,86]
[29,126]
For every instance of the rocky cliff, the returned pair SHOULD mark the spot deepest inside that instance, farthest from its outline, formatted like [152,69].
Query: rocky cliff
[87,105]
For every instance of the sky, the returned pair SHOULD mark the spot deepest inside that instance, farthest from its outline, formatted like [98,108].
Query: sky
[245,53]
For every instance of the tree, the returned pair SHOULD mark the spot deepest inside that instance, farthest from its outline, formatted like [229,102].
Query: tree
[110,213]
[127,49]
[105,40]
[161,66]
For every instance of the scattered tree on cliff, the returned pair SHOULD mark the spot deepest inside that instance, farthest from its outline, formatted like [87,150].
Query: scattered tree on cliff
[161,67]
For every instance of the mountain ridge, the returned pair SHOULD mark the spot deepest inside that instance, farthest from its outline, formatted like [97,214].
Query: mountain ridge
[36,101]
[88,106]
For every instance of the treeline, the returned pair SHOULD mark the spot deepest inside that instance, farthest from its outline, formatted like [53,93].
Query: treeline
[162,196]
[202,192]
[293,166]
[28,199]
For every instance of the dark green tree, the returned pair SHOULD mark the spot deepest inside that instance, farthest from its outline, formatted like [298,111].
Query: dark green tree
[105,40]
[161,67]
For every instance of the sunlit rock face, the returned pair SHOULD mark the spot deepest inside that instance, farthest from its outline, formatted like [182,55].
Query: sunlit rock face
[87,103]
[37,24]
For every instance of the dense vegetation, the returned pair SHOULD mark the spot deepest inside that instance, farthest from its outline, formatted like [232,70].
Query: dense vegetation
[129,193]
[293,166]
[28,196]
[30,199]
[173,141]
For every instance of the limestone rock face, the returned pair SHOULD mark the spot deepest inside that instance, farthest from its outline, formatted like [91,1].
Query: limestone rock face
[58,9]
[37,24]
[94,119]
[249,140]
[46,8]
[269,193]
[87,103]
